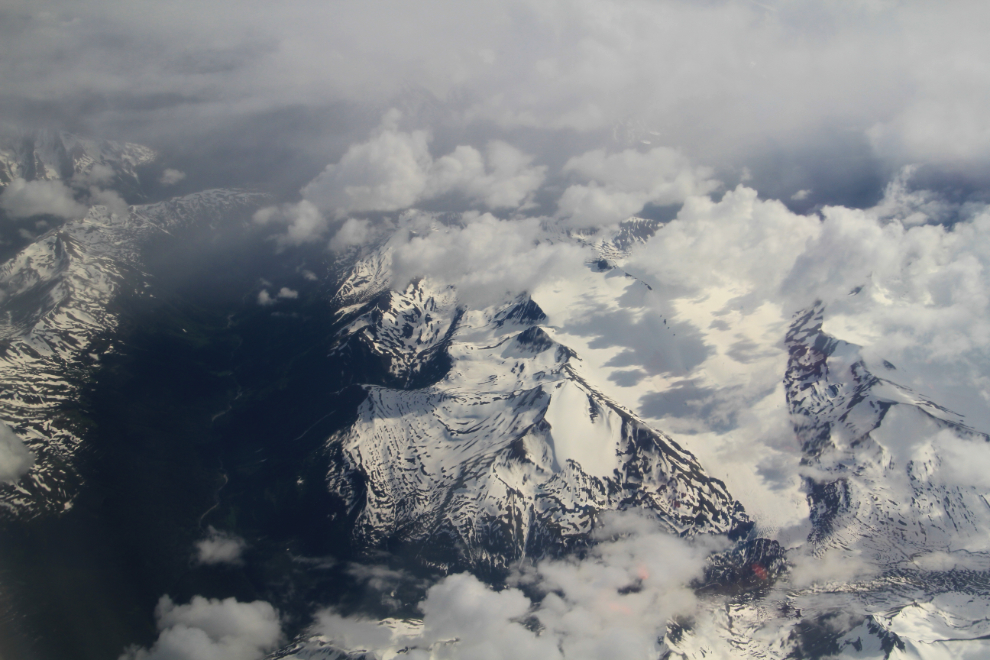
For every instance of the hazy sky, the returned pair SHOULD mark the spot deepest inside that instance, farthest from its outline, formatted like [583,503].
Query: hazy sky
[828,97]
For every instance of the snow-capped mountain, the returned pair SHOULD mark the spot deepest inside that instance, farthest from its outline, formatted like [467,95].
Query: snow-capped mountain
[877,451]
[512,450]
[56,320]
[57,155]
[484,437]
[511,453]
[904,545]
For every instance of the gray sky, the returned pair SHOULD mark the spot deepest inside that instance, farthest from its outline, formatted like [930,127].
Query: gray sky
[821,96]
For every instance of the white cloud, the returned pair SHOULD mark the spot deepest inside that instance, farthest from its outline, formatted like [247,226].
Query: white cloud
[394,171]
[23,199]
[220,548]
[964,461]
[702,356]
[485,258]
[740,242]
[304,222]
[353,232]
[387,173]
[15,458]
[620,184]
[801,195]
[721,80]
[352,632]
[834,565]
[615,602]
[97,175]
[912,207]
[285,293]
[170,177]
[110,199]
[211,629]
[378,577]
[504,178]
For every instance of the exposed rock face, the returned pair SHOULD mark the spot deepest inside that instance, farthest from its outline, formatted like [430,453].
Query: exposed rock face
[506,452]
[875,449]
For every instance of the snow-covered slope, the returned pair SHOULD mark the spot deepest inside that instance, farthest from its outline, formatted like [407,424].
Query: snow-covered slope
[897,563]
[881,455]
[55,323]
[510,453]
[53,155]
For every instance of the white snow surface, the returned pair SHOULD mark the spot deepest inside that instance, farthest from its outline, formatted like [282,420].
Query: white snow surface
[887,508]
[511,448]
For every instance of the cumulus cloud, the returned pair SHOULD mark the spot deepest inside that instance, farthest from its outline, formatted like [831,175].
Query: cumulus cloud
[220,548]
[741,242]
[705,348]
[918,282]
[285,293]
[170,177]
[211,629]
[484,258]
[389,172]
[615,602]
[110,199]
[503,178]
[353,232]
[913,206]
[22,199]
[303,220]
[15,458]
[964,461]
[394,170]
[620,184]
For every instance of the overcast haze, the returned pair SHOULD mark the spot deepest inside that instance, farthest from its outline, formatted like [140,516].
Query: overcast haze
[822,96]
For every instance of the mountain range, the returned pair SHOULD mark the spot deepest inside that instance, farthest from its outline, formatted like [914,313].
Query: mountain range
[438,437]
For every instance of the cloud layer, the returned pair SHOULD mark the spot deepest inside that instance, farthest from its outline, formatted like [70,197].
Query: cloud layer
[613,603]
[394,170]
[485,258]
[211,629]
[616,186]
[220,548]
[15,458]
[730,83]
[22,199]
